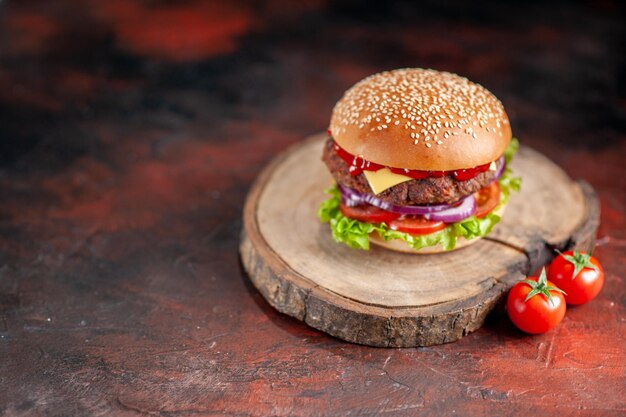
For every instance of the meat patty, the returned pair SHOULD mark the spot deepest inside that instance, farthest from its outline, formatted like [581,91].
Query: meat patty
[431,190]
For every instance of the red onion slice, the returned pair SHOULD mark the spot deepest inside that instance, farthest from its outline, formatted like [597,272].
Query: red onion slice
[500,168]
[464,210]
[351,198]
[442,212]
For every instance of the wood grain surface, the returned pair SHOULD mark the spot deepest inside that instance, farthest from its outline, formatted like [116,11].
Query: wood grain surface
[390,299]
[130,135]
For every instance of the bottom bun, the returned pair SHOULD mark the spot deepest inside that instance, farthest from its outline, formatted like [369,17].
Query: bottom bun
[400,245]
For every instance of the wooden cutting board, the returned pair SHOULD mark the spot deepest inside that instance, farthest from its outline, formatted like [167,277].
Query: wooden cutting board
[385,298]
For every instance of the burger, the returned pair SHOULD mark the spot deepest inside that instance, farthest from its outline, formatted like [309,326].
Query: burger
[420,160]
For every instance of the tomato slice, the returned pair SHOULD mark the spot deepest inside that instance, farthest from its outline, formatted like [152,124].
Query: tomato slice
[416,225]
[369,214]
[487,199]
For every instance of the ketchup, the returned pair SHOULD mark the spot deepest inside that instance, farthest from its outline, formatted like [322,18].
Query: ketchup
[358,165]
[469,173]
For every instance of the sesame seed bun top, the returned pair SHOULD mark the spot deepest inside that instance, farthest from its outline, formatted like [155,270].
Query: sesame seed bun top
[421,119]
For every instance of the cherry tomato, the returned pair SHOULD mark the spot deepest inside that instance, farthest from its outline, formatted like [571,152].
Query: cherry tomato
[369,214]
[487,199]
[535,305]
[416,225]
[579,274]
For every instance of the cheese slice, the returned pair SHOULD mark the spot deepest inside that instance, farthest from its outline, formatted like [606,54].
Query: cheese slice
[383,178]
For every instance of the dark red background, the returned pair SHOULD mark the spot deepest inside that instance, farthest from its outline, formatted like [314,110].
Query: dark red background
[129,135]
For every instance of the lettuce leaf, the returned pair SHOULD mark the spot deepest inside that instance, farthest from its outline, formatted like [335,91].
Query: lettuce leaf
[356,234]
[511,150]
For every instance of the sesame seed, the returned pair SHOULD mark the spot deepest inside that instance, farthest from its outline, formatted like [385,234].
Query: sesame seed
[428,145]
